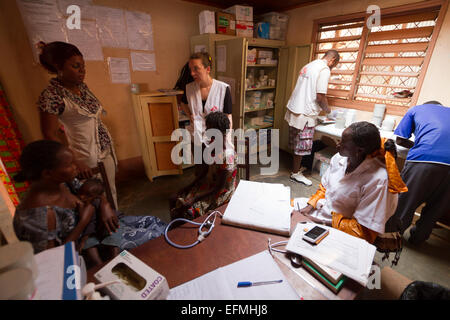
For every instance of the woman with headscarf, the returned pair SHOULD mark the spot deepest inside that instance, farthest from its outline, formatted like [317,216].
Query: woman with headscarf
[68,100]
[359,191]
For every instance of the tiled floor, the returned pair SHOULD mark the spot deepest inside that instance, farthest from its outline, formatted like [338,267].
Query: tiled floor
[427,262]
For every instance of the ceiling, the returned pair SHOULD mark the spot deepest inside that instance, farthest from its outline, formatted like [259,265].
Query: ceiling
[260,6]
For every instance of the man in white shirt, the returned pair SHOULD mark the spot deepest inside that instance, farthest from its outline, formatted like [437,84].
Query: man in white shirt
[304,106]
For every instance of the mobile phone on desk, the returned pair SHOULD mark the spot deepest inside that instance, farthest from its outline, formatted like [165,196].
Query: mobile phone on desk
[315,235]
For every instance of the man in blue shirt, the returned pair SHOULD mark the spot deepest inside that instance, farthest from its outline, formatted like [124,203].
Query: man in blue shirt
[426,171]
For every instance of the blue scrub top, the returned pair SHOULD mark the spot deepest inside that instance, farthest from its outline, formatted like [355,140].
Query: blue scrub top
[430,124]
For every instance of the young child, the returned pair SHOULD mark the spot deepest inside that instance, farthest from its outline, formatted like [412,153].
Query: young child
[92,191]
[215,183]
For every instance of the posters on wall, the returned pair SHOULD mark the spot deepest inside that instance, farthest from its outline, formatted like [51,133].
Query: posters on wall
[86,8]
[232,83]
[140,33]
[111,27]
[221,56]
[141,61]
[42,21]
[86,39]
[45,20]
[119,70]
[200,48]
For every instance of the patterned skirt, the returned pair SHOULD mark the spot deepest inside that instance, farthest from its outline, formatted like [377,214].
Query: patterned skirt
[133,231]
[301,141]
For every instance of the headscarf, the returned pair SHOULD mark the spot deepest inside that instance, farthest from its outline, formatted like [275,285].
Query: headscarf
[395,184]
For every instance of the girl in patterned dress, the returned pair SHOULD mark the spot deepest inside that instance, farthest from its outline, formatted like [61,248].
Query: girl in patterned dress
[215,183]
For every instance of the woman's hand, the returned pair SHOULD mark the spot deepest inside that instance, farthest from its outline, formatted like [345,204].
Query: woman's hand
[108,216]
[84,172]
[306,211]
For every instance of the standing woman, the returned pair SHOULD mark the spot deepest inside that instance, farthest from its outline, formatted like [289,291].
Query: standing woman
[68,100]
[204,95]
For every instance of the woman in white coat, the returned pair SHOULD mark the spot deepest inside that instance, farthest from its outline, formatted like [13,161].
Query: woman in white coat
[204,95]
[359,191]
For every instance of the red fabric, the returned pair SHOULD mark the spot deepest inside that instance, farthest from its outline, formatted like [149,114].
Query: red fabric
[11,146]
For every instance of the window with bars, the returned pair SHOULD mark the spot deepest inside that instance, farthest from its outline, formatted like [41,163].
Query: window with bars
[383,64]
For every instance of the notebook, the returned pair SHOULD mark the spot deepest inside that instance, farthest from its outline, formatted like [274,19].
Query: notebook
[260,206]
[340,251]
[330,274]
[329,279]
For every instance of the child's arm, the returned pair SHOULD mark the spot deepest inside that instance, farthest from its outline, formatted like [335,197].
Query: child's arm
[108,216]
[85,213]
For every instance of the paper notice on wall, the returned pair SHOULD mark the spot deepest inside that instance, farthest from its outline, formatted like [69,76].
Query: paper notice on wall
[86,39]
[200,48]
[140,33]
[119,70]
[86,8]
[221,56]
[111,26]
[143,61]
[43,22]
[232,83]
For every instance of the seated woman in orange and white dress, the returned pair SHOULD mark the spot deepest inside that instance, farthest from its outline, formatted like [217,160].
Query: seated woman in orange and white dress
[359,191]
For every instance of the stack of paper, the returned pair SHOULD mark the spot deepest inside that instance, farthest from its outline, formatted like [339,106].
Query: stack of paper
[340,251]
[260,206]
[221,284]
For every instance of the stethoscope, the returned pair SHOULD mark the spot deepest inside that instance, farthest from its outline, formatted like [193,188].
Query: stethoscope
[208,224]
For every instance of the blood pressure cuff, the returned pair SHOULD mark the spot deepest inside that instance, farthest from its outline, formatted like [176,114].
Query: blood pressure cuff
[320,194]
[352,227]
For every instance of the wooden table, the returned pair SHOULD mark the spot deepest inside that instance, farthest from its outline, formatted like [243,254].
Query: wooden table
[225,245]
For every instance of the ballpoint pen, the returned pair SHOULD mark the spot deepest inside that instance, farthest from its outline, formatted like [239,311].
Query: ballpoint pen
[259,283]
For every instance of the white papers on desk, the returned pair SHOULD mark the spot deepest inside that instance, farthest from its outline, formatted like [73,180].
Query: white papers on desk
[260,206]
[300,203]
[221,284]
[340,251]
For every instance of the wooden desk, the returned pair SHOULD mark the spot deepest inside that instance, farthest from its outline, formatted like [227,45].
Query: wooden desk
[225,245]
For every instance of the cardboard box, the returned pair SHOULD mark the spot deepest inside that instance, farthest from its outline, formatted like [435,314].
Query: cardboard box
[138,280]
[244,29]
[251,56]
[242,13]
[265,54]
[278,25]
[226,23]
[207,23]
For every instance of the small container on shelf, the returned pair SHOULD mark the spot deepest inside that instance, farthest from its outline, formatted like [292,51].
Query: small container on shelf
[251,56]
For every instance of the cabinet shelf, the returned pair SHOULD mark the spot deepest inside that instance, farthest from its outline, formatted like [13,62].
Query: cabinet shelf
[259,109]
[260,88]
[262,65]
[264,126]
